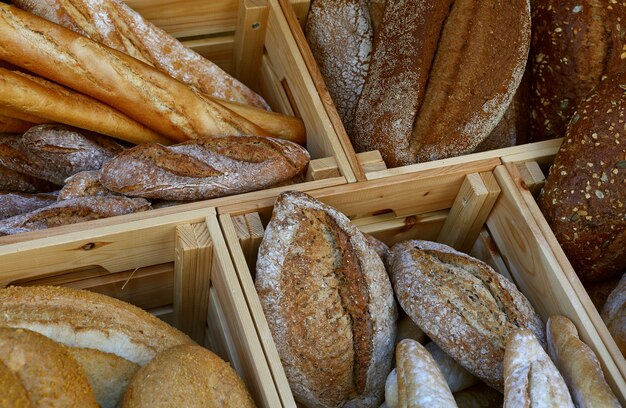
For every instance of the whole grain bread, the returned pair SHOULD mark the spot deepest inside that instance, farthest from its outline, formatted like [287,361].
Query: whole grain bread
[12,204]
[72,211]
[462,304]
[13,181]
[56,152]
[204,168]
[328,302]
[575,43]
[614,314]
[584,198]
[84,184]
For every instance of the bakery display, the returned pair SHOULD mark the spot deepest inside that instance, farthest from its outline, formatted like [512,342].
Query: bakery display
[12,204]
[614,314]
[328,302]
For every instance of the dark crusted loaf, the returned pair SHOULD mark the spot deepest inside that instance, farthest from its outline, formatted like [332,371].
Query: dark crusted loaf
[12,204]
[328,302]
[584,198]
[461,304]
[204,168]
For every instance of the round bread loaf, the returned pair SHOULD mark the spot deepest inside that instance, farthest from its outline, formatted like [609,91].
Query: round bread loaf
[584,198]
[49,374]
[614,314]
[187,376]
[328,303]
[13,394]
[462,304]
[574,44]
[79,318]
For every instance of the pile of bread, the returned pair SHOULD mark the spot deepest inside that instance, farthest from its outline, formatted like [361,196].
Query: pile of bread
[62,347]
[75,74]
[331,297]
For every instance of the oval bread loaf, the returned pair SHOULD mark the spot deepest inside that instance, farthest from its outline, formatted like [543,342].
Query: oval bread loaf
[328,303]
[462,304]
[84,184]
[12,204]
[614,314]
[204,168]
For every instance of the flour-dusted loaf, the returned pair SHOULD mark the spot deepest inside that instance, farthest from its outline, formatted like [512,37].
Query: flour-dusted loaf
[12,204]
[462,304]
[14,181]
[340,35]
[584,198]
[56,152]
[50,376]
[204,168]
[575,43]
[614,314]
[187,376]
[72,211]
[328,302]
[531,379]
[578,365]
[84,184]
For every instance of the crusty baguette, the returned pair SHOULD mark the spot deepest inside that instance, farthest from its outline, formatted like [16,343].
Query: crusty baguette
[12,204]
[145,94]
[20,114]
[12,125]
[530,378]
[44,99]
[187,376]
[113,23]
[13,181]
[51,377]
[578,365]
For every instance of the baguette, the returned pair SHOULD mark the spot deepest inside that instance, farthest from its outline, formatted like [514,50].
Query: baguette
[84,184]
[13,181]
[12,204]
[114,24]
[37,97]
[145,94]
[20,114]
[578,365]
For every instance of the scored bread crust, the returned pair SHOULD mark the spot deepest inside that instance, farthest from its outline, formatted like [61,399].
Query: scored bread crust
[79,318]
[462,304]
[51,377]
[328,302]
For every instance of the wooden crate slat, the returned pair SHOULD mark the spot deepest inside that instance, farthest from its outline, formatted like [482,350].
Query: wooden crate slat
[249,40]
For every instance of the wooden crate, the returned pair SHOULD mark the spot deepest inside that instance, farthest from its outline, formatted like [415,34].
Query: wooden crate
[528,171]
[176,266]
[296,12]
[474,206]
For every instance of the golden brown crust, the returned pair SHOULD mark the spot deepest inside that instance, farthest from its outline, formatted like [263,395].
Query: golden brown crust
[584,198]
[614,314]
[187,376]
[12,125]
[51,377]
[461,304]
[578,365]
[13,394]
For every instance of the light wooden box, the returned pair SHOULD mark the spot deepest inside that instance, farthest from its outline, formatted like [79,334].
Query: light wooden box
[473,206]
[176,266]
[528,171]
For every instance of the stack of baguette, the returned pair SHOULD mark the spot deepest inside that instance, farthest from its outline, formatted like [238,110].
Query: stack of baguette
[63,347]
[74,74]
[330,303]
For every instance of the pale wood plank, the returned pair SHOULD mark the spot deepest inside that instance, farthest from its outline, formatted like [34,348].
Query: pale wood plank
[485,249]
[531,174]
[371,161]
[301,10]
[391,229]
[322,168]
[272,89]
[249,230]
[249,40]
[218,50]
[165,313]
[218,335]
[541,152]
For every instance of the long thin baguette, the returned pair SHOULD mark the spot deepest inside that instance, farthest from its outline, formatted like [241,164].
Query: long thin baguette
[44,99]
[114,24]
[145,94]
[26,117]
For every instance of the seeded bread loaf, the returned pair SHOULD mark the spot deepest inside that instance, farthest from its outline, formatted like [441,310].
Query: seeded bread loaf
[204,168]
[614,314]
[461,304]
[584,198]
[12,204]
[328,303]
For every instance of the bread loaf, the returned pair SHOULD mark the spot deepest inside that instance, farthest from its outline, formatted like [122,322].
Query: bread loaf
[457,377]
[461,304]
[187,376]
[71,212]
[530,378]
[479,396]
[84,184]
[328,303]
[145,94]
[56,152]
[11,125]
[113,23]
[204,168]
[13,393]
[407,329]
[584,198]
[575,43]
[13,181]
[50,376]
[33,96]
[12,204]
[78,318]
[340,35]
[614,314]
[578,365]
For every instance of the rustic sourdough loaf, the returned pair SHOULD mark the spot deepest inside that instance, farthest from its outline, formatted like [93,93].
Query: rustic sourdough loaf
[584,198]
[578,365]
[575,43]
[328,302]
[187,376]
[14,181]
[84,184]
[614,314]
[12,204]
[461,304]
